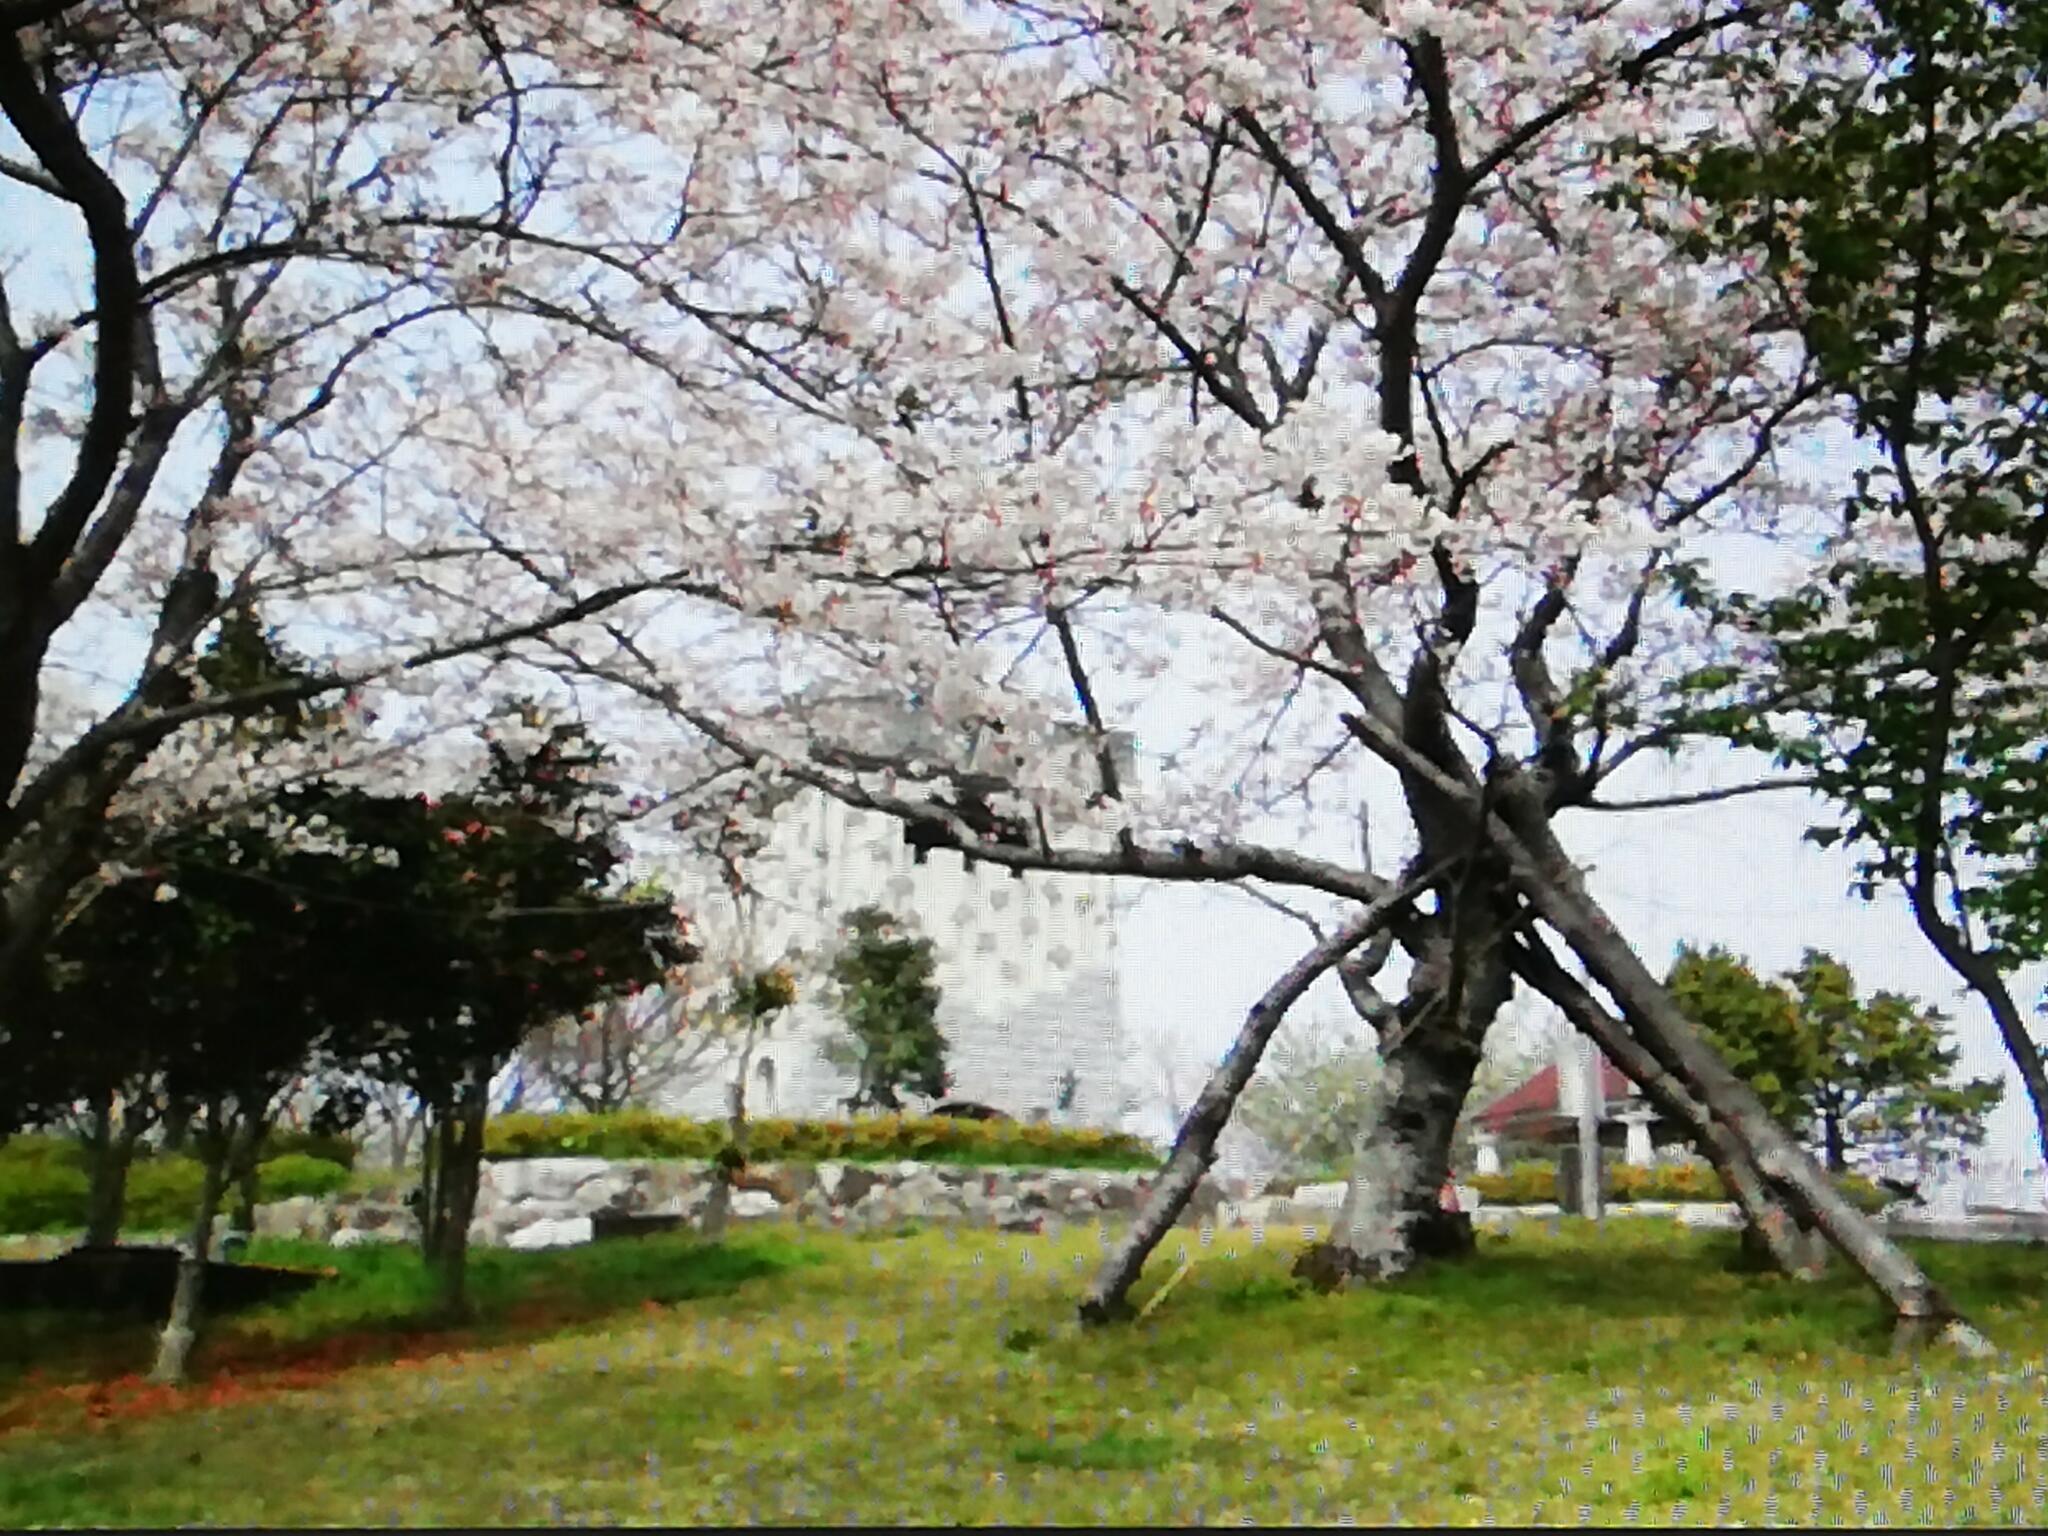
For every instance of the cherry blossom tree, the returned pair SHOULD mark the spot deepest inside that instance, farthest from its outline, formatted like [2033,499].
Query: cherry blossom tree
[1290,361]
[311,312]
[1303,326]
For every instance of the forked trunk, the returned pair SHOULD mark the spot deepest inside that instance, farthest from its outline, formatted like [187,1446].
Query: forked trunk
[1194,1149]
[1392,1214]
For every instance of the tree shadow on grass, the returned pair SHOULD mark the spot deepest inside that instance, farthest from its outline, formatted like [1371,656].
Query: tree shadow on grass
[380,1308]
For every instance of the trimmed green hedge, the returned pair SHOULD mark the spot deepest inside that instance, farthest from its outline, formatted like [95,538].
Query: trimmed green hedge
[1535,1183]
[44,1186]
[882,1139]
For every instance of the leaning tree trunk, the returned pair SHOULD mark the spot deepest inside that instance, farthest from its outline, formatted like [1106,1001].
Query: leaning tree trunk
[1194,1149]
[1555,889]
[218,1152]
[1771,1234]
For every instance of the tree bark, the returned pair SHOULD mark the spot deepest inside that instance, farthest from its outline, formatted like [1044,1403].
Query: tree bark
[1194,1149]
[1430,1053]
[110,1154]
[1554,888]
[245,1175]
[1772,1233]
[174,1348]
[733,1158]
[449,1185]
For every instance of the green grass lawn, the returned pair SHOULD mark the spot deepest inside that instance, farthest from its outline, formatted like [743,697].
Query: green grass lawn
[1564,1378]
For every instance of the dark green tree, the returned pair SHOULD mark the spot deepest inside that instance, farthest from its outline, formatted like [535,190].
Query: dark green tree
[890,1006]
[130,982]
[1894,202]
[489,915]
[1844,1070]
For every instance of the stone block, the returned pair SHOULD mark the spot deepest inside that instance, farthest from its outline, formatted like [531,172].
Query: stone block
[785,1182]
[1724,1218]
[302,1216]
[358,1237]
[545,1178]
[1328,1197]
[749,1204]
[1119,1196]
[854,1184]
[551,1234]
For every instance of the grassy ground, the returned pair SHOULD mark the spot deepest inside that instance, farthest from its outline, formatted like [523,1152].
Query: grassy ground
[1560,1378]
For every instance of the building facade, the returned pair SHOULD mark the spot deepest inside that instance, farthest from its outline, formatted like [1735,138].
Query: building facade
[1026,964]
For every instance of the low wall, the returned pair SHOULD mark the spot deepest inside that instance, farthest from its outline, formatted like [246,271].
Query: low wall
[539,1202]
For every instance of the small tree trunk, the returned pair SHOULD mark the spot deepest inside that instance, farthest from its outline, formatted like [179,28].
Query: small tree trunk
[733,1157]
[177,1126]
[450,1203]
[1194,1149]
[1831,1132]
[243,1219]
[174,1348]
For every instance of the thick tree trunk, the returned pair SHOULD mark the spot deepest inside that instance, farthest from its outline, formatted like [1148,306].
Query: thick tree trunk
[1194,1149]
[1392,1215]
[110,1153]
[174,1348]
[1554,888]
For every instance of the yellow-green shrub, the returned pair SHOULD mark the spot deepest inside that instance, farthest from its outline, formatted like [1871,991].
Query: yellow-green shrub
[39,1194]
[294,1174]
[873,1139]
[47,1189]
[1535,1183]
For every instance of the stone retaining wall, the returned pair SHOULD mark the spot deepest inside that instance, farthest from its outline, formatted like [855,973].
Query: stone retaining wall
[540,1202]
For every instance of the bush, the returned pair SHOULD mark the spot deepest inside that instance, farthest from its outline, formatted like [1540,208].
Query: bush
[40,1193]
[880,1138]
[327,1148]
[163,1194]
[47,1188]
[294,1174]
[1524,1183]
[1535,1183]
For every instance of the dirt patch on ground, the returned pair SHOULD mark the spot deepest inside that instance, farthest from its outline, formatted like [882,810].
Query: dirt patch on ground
[237,1369]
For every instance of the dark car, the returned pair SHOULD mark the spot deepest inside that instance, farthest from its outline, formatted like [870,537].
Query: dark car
[965,1111]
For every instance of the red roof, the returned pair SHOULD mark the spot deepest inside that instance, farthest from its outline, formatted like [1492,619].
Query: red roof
[1537,1099]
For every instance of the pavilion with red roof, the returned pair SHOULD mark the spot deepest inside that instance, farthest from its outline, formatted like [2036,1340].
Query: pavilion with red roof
[1534,1113]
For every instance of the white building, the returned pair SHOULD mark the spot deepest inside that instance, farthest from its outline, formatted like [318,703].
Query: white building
[1026,965]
